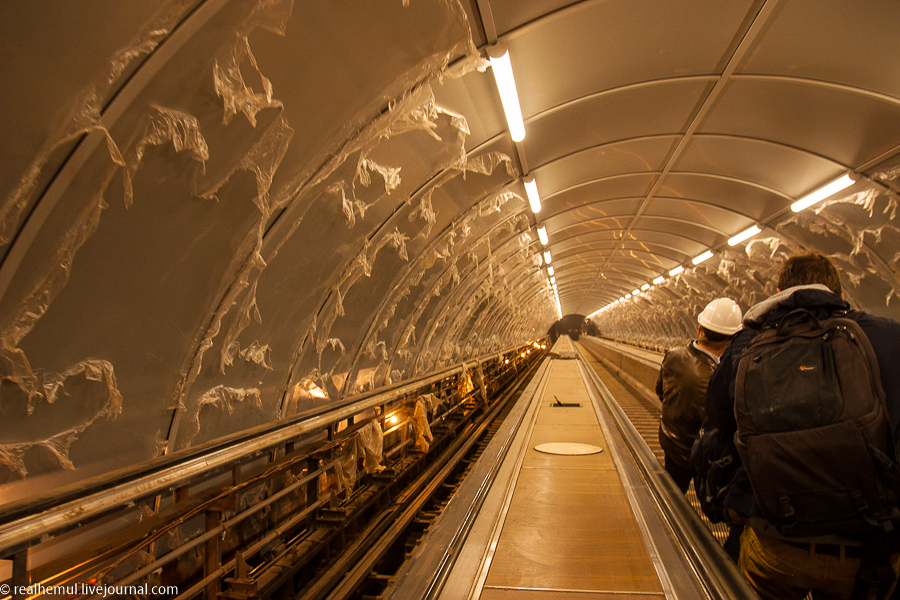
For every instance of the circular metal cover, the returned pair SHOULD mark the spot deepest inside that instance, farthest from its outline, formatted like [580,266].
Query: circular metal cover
[568,448]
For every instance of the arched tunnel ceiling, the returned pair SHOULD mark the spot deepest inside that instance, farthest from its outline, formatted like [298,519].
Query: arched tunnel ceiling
[215,214]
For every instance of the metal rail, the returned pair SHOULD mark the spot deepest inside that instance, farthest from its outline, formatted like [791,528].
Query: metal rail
[427,573]
[141,573]
[455,546]
[29,520]
[460,451]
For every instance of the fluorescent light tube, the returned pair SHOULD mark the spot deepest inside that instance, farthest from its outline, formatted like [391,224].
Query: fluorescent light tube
[627,296]
[744,235]
[547,256]
[550,271]
[823,192]
[676,271]
[506,85]
[533,198]
[553,280]
[645,287]
[542,233]
[635,292]
[659,280]
[705,256]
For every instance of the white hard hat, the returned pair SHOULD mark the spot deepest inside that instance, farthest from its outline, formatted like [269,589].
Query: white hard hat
[722,315]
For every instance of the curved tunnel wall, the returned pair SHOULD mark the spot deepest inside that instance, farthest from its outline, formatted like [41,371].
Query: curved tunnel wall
[218,213]
[207,241]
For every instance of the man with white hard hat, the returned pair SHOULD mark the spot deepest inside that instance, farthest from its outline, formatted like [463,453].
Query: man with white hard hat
[682,382]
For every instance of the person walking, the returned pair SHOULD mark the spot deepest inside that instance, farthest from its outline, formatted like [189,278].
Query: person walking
[681,386]
[810,392]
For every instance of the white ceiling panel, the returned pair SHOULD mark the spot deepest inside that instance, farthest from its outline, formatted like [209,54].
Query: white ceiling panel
[645,155]
[775,166]
[849,43]
[622,114]
[617,43]
[846,125]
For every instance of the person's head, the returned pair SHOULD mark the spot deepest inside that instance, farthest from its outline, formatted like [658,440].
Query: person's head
[718,323]
[713,338]
[809,268]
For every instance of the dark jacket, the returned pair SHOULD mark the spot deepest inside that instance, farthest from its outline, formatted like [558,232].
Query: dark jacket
[883,334]
[681,387]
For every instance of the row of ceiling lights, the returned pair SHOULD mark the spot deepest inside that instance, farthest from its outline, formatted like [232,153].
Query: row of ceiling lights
[506,86]
[547,258]
[811,199]
[535,201]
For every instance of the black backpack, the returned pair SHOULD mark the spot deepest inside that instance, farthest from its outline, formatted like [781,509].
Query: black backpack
[813,432]
[714,460]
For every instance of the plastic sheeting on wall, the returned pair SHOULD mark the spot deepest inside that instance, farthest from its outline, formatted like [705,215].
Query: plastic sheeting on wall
[48,449]
[857,231]
[259,221]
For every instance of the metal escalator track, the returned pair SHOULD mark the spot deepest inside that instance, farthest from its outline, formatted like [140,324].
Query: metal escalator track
[608,523]
[707,559]
[645,418]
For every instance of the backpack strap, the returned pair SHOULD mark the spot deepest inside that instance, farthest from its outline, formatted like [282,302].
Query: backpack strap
[785,326]
[851,314]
